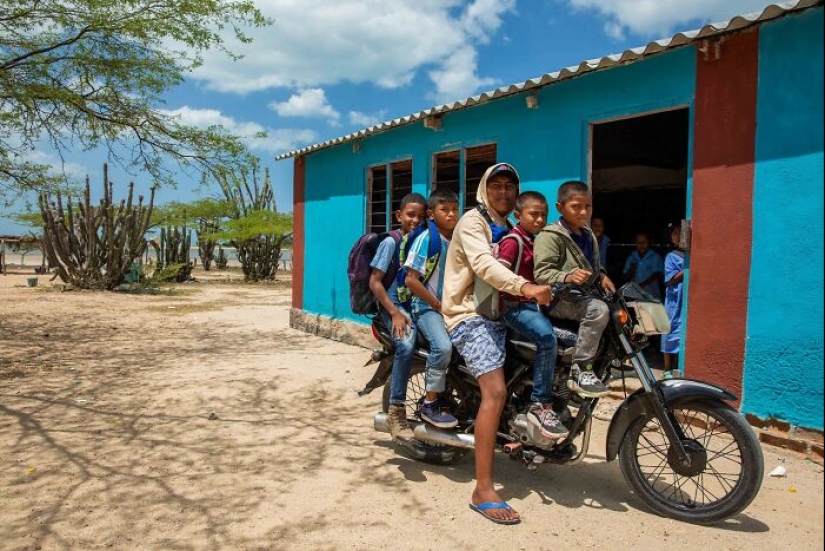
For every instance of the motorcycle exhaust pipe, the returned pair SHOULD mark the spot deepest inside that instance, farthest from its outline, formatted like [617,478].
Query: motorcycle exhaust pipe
[428,433]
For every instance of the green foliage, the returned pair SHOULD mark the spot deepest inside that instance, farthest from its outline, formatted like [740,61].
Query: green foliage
[31,219]
[207,215]
[255,224]
[92,73]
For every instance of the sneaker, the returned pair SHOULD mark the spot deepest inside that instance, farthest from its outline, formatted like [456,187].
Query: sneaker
[436,414]
[671,374]
[543,416]
[397,423]
[586,384]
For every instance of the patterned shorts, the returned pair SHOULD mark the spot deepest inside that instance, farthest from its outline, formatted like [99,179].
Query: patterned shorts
[481,343]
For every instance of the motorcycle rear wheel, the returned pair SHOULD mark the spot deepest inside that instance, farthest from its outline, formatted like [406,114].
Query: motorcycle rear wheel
[726,471]
[436,454]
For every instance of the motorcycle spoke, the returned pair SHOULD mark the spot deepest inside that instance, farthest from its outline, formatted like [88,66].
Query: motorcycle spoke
[654,475]
[734,457]
[652,445]
[723,480]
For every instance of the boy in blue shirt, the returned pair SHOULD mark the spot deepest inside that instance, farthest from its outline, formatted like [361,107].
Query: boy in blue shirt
[645,267]
[409,214]
[425,280]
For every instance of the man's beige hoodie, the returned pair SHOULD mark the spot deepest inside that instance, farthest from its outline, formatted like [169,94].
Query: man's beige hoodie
[470,255]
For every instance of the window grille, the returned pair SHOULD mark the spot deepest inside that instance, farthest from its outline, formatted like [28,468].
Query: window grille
[386,186]
[461,171]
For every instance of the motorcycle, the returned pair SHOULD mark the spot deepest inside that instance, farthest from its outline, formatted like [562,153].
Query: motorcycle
[681,447]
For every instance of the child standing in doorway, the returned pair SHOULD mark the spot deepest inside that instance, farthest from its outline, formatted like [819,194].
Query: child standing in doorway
[674,278]
[644,266]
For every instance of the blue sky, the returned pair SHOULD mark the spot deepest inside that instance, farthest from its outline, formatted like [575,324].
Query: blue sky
[327,68]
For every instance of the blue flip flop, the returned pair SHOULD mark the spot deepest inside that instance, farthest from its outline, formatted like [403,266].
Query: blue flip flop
[482,509]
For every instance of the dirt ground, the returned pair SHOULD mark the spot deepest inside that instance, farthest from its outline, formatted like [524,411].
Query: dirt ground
[197,419]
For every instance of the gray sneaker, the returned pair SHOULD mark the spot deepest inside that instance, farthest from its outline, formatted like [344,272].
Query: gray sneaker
[543,416]
[585,383]
[397,423]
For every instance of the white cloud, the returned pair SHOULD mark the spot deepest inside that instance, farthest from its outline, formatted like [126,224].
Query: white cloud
[365,120]
[660,18]
[275,141]
[457,78]
[311,102]
[316,43]
[59,166]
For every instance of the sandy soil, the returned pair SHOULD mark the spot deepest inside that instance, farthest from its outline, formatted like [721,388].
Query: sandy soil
[197,419]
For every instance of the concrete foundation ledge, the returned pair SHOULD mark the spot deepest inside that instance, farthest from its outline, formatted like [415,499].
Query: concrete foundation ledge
[338,330]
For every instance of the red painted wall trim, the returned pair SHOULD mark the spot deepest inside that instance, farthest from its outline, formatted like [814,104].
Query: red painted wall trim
[298,198]
[723,172]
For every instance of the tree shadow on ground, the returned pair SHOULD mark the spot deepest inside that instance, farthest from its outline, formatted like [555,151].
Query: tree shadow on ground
[110,430]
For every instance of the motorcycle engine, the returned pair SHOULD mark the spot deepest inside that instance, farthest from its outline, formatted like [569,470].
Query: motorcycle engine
[529,434]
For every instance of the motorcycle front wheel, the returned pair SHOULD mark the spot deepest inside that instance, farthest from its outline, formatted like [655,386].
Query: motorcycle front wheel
[437,454]
[724,474]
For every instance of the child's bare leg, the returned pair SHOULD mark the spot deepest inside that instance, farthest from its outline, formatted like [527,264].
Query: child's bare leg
[493,394]
[668,361]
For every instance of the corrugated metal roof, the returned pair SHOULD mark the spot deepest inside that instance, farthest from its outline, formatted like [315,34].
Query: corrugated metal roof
[628,56]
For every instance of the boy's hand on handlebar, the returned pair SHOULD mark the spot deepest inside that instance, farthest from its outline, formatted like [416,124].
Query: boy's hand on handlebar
[578,276]
[607,285]
[540,294]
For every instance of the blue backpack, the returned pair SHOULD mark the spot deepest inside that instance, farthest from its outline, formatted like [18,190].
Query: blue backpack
[359,270]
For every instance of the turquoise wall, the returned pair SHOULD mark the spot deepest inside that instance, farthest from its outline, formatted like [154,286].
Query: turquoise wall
[783,375]
[548,145]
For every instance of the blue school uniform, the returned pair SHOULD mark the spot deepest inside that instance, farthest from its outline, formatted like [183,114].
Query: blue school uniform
[674,263]
[645,267]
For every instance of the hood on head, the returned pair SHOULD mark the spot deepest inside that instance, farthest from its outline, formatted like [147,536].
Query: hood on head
[481,194]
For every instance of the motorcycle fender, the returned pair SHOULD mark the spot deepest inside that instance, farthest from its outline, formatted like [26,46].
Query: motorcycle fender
[382,373]
[638,405]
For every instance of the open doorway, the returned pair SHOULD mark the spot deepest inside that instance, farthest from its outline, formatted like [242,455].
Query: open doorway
[639,171]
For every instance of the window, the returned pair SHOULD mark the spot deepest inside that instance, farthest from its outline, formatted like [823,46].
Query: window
[448,173]
[386,186]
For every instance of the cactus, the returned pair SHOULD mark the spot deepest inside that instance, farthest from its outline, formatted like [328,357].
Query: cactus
[94,247]
[221,261]
[172,253]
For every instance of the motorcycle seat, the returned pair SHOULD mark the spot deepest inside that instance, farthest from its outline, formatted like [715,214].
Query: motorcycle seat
[526,349]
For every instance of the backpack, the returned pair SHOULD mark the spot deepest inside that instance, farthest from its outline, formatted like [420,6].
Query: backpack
[359,271]
[433,257]
[520,242]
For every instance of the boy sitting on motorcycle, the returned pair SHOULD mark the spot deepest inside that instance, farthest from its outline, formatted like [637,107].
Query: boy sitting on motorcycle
[478,339]
[515,251]
[410,212]
[567,252]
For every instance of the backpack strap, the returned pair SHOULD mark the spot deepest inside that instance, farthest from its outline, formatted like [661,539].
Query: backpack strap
[395,262]
[498,231]
[520,242]
[433,258]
